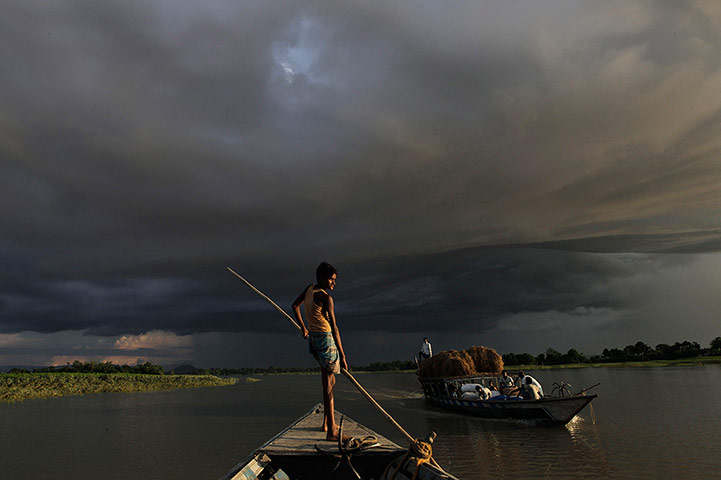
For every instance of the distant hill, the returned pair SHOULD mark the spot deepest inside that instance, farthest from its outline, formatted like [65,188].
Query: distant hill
[7,368]
[186,369]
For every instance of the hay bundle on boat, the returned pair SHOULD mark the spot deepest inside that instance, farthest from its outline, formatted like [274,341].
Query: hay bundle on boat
[449,363]
[464,363]
[486,360]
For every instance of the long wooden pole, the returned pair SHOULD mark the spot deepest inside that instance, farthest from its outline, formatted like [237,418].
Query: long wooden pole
[376,404]
[266,298]
[343,370]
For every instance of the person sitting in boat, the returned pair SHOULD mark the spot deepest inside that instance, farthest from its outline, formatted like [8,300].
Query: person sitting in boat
[492,388]
[468,391]
[522,381]
[426,350]
[483,392]
[529,391]
[506,384]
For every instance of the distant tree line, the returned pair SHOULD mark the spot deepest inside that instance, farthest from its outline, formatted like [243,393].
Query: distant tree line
[149,368]
[248,370]
[637,352]
[395,365]
[96,367]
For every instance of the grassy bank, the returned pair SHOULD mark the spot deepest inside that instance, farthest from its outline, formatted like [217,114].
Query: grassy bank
[513,368]
[648,363]
[23,386]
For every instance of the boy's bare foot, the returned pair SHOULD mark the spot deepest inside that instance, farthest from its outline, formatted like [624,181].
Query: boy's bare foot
[333,435]
[334,438]
[325,427]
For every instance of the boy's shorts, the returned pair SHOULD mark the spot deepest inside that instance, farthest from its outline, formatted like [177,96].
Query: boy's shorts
[322,346]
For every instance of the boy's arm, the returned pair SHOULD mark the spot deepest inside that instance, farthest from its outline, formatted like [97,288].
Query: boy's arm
[336,333]
[296,312]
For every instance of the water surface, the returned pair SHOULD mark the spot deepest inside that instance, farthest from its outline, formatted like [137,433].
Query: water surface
[650,423]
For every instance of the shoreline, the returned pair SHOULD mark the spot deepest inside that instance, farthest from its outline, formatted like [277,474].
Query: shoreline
[17,387]
[680,362]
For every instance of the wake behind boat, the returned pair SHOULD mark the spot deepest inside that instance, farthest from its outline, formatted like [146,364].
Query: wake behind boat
[301,452]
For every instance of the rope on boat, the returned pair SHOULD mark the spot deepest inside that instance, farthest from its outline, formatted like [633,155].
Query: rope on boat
[354,444]
[419,450]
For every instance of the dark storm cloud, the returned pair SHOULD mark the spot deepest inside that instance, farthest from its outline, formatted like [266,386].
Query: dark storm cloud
[106,121]
[349,126]
[688,242]
[474,288]
[459,290]
[144,146]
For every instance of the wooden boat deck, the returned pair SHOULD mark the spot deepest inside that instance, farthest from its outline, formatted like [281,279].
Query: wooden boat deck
[293,453]
[302,437]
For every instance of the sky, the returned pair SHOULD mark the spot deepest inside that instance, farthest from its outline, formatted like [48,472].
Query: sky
[521,175]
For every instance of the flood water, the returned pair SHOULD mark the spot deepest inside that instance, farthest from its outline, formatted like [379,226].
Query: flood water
[650,423]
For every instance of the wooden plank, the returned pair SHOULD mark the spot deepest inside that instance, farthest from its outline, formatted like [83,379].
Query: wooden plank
[302,437]
[294,451]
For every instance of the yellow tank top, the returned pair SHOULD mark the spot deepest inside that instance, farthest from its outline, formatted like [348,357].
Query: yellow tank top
[314,314]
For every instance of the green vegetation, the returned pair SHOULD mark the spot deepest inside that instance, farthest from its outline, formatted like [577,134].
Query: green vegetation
[246,371]
[529,362]
[393,366]
[97,367]
[92,377]
[638,352]
[22,386]
[648,363]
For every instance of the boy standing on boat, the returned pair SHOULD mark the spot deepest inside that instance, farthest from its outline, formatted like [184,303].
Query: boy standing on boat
[323,337]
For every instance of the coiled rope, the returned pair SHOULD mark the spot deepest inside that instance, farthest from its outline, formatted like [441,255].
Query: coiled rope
[354,444]
[420,451]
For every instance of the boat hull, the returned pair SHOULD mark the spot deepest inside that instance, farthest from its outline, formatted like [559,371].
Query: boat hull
[548,410]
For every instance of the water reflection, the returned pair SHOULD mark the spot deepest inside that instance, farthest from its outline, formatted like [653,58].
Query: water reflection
[478,447]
